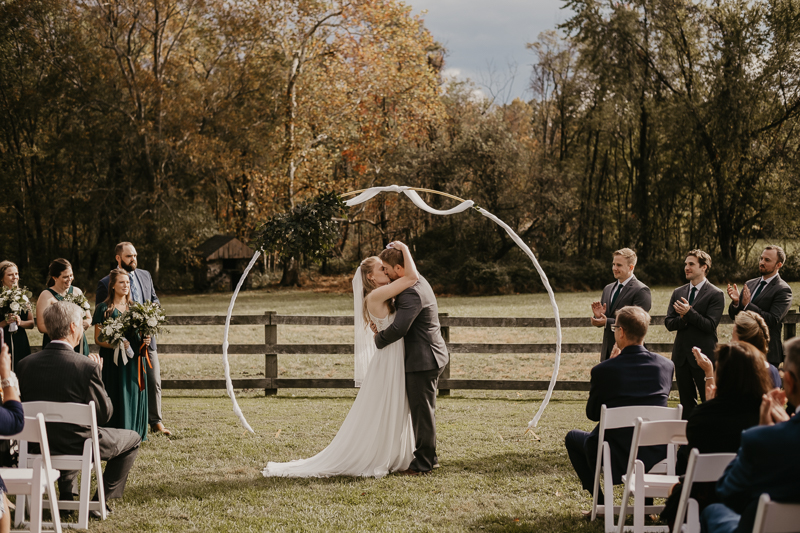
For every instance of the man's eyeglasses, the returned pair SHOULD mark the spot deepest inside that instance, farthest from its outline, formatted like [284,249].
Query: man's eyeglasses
[614,327]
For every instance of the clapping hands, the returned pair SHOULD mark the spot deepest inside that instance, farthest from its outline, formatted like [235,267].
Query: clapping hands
[682,306]
[772,411]
[599,314]
[735,296]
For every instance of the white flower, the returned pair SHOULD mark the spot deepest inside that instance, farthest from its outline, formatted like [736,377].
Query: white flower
[14,306]
[108,331]
[86,305]
[25,298]
[117,326]
[152,321]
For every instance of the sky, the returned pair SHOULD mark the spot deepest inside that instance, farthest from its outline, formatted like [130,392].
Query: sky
[484,37]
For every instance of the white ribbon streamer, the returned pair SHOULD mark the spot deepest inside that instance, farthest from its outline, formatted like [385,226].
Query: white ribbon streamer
[415,198]
[120,349]
[546,284]
[225,364]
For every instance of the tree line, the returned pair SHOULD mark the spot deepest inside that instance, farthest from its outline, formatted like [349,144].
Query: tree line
[659,125]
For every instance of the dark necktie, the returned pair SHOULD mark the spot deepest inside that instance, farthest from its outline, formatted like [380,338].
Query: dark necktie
[758,290]
[616,293]
[692,295]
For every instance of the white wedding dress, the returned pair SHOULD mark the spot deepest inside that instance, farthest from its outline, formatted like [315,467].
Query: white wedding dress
[376,437]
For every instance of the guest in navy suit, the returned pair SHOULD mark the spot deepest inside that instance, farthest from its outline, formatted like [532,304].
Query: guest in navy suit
[142,290]
[632,376]
[767,462]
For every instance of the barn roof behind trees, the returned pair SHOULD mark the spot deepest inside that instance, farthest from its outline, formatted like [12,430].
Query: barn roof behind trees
[224,247]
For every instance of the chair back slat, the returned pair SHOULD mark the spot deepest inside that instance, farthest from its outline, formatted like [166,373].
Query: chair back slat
[68,413]
[623,417]
[652,433]
[774,517]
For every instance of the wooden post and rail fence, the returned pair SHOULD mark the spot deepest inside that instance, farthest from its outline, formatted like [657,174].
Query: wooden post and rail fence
[271,382]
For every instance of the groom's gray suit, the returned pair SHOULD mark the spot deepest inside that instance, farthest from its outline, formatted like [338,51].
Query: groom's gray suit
[417,323]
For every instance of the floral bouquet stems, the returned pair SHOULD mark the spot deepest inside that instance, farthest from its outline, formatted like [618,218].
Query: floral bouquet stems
[112,332]
[148,319]
[16,300]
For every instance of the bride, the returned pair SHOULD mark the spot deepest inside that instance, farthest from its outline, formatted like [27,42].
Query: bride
[376,437]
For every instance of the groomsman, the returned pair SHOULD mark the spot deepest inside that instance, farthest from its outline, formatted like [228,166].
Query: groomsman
[626,290]
[142,290]
[694,311]
[769,296]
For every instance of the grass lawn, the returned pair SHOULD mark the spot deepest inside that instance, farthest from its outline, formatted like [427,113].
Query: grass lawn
[493,477]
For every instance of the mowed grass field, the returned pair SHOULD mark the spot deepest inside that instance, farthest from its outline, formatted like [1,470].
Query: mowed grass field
[494,477]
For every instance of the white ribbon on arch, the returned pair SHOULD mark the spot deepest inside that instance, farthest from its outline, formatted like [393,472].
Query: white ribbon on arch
[415,198]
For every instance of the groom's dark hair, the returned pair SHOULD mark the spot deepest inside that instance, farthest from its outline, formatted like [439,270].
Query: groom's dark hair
[393,257]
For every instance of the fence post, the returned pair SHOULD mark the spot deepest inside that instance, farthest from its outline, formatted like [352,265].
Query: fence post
[790,330]
[270,359]
[446,372]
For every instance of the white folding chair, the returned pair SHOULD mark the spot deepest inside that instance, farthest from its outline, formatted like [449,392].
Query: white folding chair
[615,418]
[774,517]
[702,468]
[35,480]
[649,485]
[82,415]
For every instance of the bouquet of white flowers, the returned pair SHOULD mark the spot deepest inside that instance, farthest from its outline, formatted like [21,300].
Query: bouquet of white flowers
[148,318]
[78,299]
[14,301]
[112,331]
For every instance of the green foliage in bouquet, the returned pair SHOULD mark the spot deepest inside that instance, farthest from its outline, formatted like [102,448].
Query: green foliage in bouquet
[147,318]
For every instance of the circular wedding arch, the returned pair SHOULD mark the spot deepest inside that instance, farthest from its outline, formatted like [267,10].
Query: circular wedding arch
[365,195]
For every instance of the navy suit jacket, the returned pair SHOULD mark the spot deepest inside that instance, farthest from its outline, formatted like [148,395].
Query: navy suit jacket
[698,327]
[768,461]
[148,293]
[633,293]
[635,377]
[772,304]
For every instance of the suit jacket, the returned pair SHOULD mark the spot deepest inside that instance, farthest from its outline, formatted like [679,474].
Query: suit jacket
[148,294]
[58,374]
[417,323]
[767,461]
[635,377]
[698,327]
[772,304]
[633,293]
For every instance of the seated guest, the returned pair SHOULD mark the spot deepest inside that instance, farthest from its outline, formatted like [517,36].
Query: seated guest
[58,374]
[767,461]
[716,425]
[12,420]
[632,376]
[748,326]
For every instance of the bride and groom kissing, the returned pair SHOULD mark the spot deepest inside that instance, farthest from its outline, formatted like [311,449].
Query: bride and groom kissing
[391,426]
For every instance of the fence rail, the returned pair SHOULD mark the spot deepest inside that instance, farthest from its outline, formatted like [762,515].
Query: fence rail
[271,350]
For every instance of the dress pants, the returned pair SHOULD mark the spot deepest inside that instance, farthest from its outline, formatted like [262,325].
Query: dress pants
[421,392]
[583,458]
[719,518]
[154,390]
[690,380]
[117,446]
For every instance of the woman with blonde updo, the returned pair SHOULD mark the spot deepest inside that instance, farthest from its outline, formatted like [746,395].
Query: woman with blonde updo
[751,327]
[17,341]
[376,437]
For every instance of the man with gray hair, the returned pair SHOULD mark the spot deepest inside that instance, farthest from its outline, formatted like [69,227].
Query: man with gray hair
[58,374]
[769,296]
[767,461]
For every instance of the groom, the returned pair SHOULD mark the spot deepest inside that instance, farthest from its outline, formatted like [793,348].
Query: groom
[417,323]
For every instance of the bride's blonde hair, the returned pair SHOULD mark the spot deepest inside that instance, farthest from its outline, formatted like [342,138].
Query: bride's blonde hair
[367,266]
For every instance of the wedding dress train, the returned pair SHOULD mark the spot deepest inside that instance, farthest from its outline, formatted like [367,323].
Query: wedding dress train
[376,437]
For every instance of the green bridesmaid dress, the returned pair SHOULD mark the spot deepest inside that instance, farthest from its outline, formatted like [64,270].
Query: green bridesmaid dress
[122,382]
[83,347]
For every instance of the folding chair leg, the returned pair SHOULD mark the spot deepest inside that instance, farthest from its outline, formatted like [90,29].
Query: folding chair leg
[83,509]
[19,512]
[36,499]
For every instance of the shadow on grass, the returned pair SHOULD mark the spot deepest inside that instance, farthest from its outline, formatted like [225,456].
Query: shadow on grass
[510,463]
[529,520]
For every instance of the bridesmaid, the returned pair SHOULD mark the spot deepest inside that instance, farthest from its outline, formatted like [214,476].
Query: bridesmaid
[18,341]
[59,284]
[122,381]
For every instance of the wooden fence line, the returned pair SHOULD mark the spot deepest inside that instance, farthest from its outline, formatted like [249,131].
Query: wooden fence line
[271,350]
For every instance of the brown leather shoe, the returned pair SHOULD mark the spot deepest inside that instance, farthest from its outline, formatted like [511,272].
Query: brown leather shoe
[159,428]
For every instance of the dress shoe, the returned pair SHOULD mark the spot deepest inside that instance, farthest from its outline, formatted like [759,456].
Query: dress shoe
[159,428]
[96,514]
[436,465]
